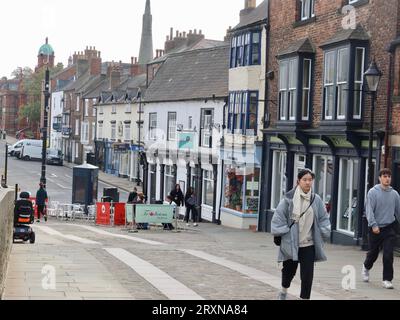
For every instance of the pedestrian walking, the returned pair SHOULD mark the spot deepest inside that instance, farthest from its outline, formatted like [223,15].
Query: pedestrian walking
[190,203]
[303,224]
[177,195]
[41,197]
[383,213]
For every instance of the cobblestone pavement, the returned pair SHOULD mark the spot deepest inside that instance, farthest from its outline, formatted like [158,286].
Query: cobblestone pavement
[210,262]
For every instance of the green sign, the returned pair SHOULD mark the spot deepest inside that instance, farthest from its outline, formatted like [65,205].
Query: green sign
[186,140]
[154,214]
[129,211]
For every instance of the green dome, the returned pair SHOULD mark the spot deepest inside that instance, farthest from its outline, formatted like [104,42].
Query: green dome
[46,49]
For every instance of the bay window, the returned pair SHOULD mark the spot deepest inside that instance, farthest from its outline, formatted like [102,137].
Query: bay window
[243,112]
[246,49]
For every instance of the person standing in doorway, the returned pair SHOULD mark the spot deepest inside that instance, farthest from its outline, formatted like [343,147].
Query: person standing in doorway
[382,211]
[190,202]
[176,195]
[41,197]
[303,224]
[132,196]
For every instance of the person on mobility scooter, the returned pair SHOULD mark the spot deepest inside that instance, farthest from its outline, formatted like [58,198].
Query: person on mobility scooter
[23,217]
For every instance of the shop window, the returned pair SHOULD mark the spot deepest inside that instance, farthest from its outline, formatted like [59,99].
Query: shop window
[279,180]
[169,181]
[347,203]
[208,188]
[323,168]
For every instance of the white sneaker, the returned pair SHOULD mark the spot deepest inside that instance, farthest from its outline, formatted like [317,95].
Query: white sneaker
[195,225]
[387,284]
[188,224]
[365,274]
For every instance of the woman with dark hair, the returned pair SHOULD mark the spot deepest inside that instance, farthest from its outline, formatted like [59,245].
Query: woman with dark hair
[190,202]
[303,224]
[177,195]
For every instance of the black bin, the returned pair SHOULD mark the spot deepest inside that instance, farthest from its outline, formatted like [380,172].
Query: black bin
[111,193]
[85,184]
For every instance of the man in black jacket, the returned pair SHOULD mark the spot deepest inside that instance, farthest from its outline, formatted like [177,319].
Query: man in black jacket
[41,197]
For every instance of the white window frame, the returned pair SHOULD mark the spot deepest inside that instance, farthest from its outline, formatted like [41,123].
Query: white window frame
[305,110]
[100,131]
[153,126]
[342,84]
[292,84]
[353,1]
[86,107]
[205,130]
[114,108]
[351,181]
[113,131]
[93,107]
[361,83]
[307,9]
[77,103]
[329,84]
[77,127]
[171,123]
[127,131]
[283,89]
[279,157]
[167,173]
[85,132]
[208,176]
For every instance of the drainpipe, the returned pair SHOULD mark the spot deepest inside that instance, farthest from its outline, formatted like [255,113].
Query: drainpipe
[389,106]
[264,167]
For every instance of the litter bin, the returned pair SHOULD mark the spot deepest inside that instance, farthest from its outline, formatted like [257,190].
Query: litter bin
[106,199]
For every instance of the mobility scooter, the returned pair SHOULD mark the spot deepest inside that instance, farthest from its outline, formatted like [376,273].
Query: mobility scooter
[23,217]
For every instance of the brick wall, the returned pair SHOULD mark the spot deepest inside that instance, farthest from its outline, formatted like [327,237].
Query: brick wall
[377,19]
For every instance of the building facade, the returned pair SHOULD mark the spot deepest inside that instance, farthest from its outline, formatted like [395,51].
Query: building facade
[320,116]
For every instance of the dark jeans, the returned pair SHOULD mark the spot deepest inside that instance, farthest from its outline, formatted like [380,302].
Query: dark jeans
[40,210]
[194,214]
[306,260]
[385,240]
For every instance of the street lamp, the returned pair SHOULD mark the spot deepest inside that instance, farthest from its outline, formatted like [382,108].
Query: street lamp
[373,76]
[139,97]
[45,125]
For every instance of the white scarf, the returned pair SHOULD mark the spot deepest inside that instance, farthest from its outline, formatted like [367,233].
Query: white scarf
[301,203]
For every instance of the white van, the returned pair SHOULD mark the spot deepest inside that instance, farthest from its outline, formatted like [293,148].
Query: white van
[31,149]
[11,148]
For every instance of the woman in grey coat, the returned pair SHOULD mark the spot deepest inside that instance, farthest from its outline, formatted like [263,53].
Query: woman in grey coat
[303,224]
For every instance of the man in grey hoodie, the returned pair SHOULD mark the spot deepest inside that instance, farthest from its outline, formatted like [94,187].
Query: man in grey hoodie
[382,210]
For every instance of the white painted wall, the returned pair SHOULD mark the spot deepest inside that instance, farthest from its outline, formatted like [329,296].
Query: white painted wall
[56,110]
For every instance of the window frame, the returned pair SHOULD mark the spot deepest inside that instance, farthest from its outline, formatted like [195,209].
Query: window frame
[171,130]
[152,129]
[239,110]
[245,51]
[309,12]
[206,133]
[208,176]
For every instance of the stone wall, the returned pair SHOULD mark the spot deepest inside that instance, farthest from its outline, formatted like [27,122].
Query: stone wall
[6,231]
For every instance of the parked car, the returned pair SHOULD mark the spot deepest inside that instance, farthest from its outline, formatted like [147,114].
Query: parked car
[54,156]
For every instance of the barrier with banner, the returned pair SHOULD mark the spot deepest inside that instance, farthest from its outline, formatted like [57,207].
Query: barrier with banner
[130,214]
[154,214]
[103,213]
[119,214]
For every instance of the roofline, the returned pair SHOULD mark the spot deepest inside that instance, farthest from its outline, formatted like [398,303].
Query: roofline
[260,22]
[188,99]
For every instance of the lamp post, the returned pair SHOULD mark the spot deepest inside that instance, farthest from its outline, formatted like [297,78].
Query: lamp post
[139,97]
[373,76]
[45,125]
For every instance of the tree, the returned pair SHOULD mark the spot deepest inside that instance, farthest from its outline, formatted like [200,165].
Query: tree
[22,73]
[32,86]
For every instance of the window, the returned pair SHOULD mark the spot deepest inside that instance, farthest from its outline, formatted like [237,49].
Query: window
[288,89]
[243,112]
[86,107]
[329,84]
[337,83]
[358,82]
[93,131]
[128,108]
[77,127]
[246,49]
[113,130]
[348,198]
[94,109]
[206,130]
[279,177]
[152,125]
[190,123]
[171,126]
[127,131]
[305,104]
[323,168]
[101,109]
[169,181]
[208,188]
[114,109]
[85,132]
[77,103]
[100,133]
[307,9]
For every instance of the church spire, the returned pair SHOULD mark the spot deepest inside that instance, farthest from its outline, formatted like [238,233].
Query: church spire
[146,46]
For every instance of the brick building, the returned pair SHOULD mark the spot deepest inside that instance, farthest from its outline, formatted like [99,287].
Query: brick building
[317,116]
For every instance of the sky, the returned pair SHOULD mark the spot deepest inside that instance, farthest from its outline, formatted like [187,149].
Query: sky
[113,27]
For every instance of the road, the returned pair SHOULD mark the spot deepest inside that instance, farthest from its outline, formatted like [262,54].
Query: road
[59,179]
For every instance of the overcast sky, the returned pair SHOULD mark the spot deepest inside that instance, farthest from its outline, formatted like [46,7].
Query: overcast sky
[113,27]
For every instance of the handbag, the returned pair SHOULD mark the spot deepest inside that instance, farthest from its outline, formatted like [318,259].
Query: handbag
[278,239]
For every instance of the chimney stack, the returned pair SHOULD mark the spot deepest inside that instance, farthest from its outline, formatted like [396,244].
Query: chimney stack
[249,6]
